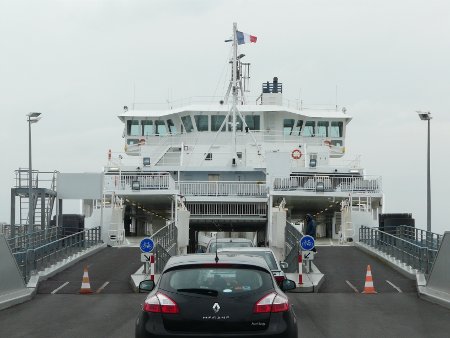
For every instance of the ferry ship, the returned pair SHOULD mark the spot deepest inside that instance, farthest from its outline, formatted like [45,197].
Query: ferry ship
[236,165]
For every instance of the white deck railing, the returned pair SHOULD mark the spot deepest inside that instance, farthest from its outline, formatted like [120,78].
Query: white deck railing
[222,188]
[121,182]
[369,184]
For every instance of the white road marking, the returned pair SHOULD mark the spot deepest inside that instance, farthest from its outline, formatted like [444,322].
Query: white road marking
[331,242]
[395,287]
[352,286]
[57,289]
[102,287]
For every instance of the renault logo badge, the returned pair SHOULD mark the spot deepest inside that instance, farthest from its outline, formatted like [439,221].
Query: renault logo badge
[216,307]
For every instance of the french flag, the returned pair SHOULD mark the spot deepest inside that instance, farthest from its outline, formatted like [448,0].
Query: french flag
[244,38]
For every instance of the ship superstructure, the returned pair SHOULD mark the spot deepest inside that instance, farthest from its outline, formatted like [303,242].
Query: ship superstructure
[241,166]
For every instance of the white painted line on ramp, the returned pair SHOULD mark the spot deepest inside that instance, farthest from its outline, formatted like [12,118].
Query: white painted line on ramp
[57,289]
[100,289]
[352,286]
[395,287]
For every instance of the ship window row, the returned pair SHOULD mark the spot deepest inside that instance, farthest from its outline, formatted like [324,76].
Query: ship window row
[150,127]
[313,128]
[202,123]
[213,123]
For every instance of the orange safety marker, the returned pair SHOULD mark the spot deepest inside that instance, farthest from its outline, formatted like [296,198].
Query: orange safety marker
[368,285]
[85,285]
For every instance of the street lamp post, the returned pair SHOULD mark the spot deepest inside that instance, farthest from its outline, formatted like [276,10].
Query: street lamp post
[426,116]
[32,118]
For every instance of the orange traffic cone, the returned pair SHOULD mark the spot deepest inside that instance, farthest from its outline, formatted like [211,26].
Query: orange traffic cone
[368,286]
[85,285]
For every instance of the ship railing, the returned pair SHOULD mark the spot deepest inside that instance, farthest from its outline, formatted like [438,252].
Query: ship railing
[31,261]
[406,251]
[215,101]
[323,183]
[223,188]
[227,210]
[165,240]
[292,238]
[138,181]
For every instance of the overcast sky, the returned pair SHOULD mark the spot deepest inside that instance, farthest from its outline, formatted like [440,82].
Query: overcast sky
[76,61]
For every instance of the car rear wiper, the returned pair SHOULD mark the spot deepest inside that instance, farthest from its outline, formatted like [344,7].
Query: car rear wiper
[208,292]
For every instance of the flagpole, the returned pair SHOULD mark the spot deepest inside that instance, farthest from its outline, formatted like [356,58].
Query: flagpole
[234,89]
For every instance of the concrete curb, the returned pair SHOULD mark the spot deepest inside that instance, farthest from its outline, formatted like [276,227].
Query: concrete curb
[26,294]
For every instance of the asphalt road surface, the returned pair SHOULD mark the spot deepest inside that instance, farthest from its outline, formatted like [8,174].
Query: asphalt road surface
[338,311]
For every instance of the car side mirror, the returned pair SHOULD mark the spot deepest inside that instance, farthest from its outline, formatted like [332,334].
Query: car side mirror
[146,286]
[287,285]
[284,265]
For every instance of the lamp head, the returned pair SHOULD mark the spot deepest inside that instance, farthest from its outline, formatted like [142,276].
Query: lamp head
[424,116]
[33,114]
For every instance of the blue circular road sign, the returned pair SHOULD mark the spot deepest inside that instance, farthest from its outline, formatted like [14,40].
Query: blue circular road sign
[307,243]
[147,245]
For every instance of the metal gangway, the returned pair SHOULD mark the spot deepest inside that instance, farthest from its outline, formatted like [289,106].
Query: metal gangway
[413,247]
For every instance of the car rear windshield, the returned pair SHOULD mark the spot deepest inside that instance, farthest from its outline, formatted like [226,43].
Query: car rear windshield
[230,280]
[212,246]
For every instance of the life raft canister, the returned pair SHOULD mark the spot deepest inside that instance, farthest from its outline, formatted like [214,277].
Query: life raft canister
[296,154]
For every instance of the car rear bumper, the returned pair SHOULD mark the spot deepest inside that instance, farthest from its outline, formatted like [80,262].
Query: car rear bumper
[281,325]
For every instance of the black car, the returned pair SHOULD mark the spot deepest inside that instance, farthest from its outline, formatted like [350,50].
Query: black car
[236,296]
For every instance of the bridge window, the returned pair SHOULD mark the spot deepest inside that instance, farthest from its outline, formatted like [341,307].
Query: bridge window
[288,125]
[171,125]
[253,122]
[202,122]
[216,122]
[336,129]
[133,128]
[160,127]
[322,128]
[187,121]
[309,128]
[147,128]
[298,127]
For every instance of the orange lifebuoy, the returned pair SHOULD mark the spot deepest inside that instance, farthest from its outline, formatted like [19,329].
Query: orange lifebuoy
[109,155]
[327,143]
[141,141]
[296,154]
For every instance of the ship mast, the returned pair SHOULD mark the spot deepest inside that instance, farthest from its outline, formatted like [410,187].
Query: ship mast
[234,82]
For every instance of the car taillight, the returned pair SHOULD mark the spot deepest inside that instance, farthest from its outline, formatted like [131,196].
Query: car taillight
[160,303]
[271,303]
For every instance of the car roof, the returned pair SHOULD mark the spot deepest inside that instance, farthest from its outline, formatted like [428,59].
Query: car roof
[227,240]
[252,249]
[209,258]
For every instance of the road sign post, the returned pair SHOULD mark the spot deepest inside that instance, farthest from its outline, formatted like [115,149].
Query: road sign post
[307,243]
[146,247]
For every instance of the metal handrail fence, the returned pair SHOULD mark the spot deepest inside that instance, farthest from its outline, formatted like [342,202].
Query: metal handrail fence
[165,240]
[37,259]
[414,235]
[292,237]
[33,240]
[39,179]
[414,255]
